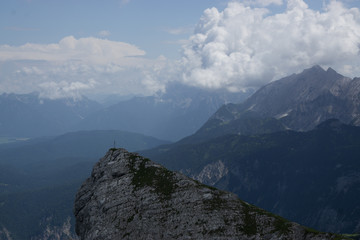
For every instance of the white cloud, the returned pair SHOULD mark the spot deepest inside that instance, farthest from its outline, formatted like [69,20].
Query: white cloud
[244,47]
[88,50]
[63,69]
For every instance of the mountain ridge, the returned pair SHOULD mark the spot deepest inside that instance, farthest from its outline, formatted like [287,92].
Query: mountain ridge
[130,197]
[298,102]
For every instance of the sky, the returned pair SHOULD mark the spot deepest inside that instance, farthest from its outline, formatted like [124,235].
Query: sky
[136,47]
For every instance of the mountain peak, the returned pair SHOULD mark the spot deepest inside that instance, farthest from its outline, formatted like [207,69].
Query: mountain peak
[317,69]
[131,197]
[314,69]
[331,70]
[298,102]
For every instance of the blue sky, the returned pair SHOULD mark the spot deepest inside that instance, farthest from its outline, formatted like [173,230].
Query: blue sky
[151,25]
[68,48]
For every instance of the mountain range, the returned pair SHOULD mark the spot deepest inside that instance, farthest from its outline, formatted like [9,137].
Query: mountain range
[29,115]
[298,102]
[171,115]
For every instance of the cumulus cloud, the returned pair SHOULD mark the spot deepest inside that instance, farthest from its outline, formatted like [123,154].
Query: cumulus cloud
[75,66]
[243,46]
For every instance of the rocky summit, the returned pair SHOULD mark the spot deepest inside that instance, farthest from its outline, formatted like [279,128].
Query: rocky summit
[130,197]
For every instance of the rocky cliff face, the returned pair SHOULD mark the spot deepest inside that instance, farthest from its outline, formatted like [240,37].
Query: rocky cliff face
[131,197]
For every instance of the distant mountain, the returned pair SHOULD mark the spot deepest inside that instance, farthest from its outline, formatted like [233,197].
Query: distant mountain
[298,102]
[309,177]
[130,197]
[42,159]
[39,178]
[172,115]
[29,115]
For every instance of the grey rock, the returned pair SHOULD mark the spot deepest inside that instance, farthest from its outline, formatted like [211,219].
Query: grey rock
[130,197]
[212,173]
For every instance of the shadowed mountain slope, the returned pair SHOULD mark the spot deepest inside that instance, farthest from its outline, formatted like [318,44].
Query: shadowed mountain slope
[309,177]
[298,102]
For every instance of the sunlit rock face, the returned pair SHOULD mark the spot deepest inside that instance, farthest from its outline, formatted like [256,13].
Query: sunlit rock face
[130,197]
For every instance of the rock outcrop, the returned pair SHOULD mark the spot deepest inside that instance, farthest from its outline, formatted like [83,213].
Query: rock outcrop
[131,197]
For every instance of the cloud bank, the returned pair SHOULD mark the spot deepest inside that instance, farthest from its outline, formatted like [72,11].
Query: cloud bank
[244,46]
[87,50]
[74,66]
